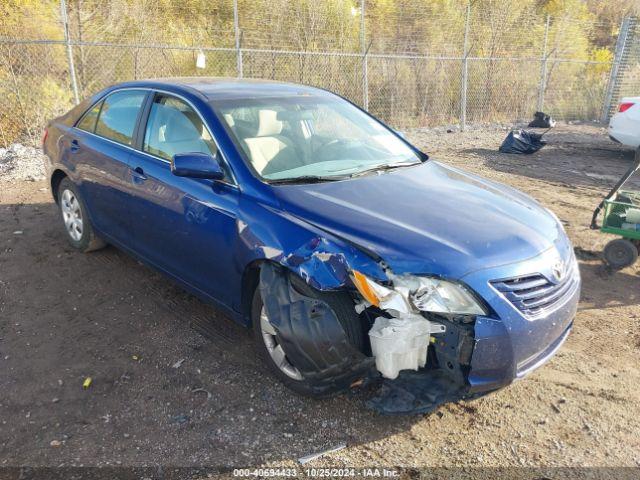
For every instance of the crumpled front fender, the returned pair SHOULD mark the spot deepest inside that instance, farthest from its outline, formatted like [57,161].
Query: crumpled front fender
[322,259]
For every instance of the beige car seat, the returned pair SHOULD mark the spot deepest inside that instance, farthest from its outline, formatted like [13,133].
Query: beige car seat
[270,151]
[172,131]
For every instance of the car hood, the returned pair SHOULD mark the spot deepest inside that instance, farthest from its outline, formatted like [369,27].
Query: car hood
[428,219]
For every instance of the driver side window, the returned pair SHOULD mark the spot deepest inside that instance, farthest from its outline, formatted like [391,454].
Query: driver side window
[174,127]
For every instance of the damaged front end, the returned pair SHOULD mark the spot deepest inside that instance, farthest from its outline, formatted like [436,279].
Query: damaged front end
[422,340]
[444,377]
[420,332]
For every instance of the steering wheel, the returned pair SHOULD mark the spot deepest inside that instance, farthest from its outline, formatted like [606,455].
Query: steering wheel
[332,148]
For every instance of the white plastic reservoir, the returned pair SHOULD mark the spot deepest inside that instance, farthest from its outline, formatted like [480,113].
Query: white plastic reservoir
[401,343]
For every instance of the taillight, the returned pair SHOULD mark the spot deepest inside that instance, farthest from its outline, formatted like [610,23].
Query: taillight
[44,136]
[625,106]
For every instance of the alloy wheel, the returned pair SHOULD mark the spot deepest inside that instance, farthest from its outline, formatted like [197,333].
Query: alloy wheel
[71,214]
[275,349]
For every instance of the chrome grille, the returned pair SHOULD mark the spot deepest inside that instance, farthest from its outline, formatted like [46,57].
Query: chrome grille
[534,294]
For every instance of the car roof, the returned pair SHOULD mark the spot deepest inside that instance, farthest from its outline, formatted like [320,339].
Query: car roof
[220,88]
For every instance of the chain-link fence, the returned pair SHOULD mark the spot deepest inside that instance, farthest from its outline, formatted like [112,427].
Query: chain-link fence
[624,80]
[410,63]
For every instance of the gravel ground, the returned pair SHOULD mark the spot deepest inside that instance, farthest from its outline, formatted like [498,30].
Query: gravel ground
[163,394]
[19,162]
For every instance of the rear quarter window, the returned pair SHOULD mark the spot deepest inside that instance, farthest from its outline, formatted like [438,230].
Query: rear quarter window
[88,121]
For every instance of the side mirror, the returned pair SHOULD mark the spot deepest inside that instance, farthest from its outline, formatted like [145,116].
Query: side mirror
[196,165]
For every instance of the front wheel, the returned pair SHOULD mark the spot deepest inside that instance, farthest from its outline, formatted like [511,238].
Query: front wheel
[76,222]
[271,353]
[620,253]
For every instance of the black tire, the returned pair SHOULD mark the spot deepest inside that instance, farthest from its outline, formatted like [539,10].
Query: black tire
[88,240]
[620,253]
[341,304]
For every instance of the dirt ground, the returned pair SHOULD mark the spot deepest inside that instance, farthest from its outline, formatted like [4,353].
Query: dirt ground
[164,394]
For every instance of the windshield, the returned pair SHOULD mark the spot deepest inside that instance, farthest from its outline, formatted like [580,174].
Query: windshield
[308,137]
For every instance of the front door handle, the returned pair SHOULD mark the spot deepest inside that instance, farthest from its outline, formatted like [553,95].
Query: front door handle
[138,175]
[75,146]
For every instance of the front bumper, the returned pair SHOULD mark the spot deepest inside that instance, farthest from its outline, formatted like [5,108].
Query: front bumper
[538,360]
[513,344]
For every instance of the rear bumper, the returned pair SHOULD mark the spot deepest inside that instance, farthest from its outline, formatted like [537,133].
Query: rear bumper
[624,130]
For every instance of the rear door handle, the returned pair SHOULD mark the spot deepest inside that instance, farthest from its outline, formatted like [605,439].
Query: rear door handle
[138,175]
[75,146]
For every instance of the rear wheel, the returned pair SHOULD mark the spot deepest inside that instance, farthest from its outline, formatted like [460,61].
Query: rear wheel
[620,253]
[273,356]
[75,219]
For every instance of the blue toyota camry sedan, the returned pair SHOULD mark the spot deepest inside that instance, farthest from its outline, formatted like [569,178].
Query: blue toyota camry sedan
[354,258]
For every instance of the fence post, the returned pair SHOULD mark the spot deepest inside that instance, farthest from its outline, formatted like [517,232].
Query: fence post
[465,71]
[621,43]
[365,61]
[67,41]
[236,29]
[543,67]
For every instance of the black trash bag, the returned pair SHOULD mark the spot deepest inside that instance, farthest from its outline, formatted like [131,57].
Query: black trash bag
[542,120]
[522,141]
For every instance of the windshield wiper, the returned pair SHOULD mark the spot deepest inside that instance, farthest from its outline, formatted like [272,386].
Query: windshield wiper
[308,179]
[334,178]
[384,167]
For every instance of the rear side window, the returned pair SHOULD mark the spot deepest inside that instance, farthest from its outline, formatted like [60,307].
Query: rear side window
[88,121]
[117,119]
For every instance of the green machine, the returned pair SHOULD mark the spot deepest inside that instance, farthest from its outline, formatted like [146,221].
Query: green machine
[622,218]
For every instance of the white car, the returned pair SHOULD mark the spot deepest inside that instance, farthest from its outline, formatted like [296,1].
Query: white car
[624,126]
